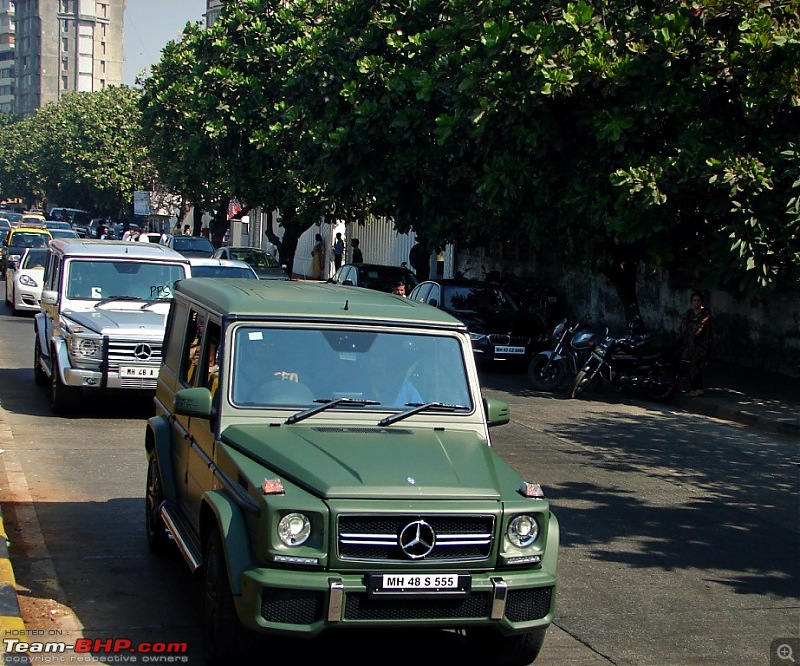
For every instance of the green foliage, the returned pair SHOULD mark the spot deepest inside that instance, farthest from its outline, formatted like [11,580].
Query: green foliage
[84,151]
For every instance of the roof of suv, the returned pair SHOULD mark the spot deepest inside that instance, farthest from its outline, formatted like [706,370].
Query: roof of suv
[92,247]
[278,299]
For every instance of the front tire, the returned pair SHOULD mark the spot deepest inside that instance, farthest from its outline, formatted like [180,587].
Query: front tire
[157,538]
[225,640]
[39,375]
[64,398]
[544,377]
[499,650]
[582,382]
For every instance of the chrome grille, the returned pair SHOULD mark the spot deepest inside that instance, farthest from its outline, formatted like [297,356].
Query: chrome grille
[121,352]
[375,538]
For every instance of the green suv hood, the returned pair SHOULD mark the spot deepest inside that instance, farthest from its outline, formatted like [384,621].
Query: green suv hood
[362,462]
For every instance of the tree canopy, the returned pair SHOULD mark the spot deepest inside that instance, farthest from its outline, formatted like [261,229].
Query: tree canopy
[85,151]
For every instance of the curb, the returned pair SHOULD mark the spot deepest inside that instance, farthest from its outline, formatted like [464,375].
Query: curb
[11,622]
[709,407]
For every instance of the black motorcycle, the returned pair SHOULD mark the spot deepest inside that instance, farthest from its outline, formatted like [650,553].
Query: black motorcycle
[548,369]
[631,363]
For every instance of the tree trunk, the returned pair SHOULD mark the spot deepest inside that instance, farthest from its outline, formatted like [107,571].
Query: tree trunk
[622,273]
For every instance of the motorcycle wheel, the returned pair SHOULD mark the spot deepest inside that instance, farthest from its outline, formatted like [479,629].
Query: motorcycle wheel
[544,377]
[582,382]
[667,384]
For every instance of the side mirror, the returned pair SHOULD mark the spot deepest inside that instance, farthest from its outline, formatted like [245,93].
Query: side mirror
[349,283]
[13,265]
[433,302]
[194,402]
[49,297]
[497,412]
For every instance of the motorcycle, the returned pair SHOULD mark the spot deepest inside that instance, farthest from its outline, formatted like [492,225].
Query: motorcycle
[548,369]
[631,363]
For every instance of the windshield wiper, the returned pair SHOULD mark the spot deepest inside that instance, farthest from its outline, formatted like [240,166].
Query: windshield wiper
[111,299]
[416,408]
[328,404]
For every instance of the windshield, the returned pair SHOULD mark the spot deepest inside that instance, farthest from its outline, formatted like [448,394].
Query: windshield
[299,367]
[478,299]
[101,280]
[222,271]
[34,258]
[29,239]
[193,243]
[255,259]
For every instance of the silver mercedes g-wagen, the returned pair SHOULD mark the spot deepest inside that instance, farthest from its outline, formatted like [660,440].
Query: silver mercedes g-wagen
[103,315]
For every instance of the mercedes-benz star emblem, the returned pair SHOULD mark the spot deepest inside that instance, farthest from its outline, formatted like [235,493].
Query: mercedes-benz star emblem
[417,539]
[143,352]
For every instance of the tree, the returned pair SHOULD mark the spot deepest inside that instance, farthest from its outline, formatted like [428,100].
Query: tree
[83,151]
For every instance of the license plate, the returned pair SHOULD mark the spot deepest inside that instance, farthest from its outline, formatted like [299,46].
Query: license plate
[509,350]
[437,584]
[144,373]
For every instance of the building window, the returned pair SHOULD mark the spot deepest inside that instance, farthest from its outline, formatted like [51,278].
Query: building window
[64,82]
[64,44]
[66,25]
[65,64]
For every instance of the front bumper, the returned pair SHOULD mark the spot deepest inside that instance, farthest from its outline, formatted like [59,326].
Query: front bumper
[96,379]
[308,603]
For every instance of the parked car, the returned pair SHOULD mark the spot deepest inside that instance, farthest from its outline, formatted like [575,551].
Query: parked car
[189,246]
[12,216]
[263,263]
[374,276]
[500,330]
[24,280]
[221,268]
[63,233]
[103,313]
[57,224]
[340,474]
[19,239]
[30,219]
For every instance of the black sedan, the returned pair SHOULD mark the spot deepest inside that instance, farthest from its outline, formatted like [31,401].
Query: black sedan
[374,276]
[500,330]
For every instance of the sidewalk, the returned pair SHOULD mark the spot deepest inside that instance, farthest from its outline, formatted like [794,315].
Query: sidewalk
[765,400]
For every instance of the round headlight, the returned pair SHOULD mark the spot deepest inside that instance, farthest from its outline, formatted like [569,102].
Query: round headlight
[294,529]
[87,347]
[523,531]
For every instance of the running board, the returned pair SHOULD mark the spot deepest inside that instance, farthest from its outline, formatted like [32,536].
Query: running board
[183,536]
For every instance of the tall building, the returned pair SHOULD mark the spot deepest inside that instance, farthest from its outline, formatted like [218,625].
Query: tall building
[213,8]
[6,56]
[65,46]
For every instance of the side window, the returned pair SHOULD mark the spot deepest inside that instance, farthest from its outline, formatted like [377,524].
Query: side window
[53,272]
[423,292]
[210,367]
[175,335]
[192,344]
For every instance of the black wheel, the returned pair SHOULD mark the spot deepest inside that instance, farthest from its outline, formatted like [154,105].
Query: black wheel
[499,650]
[225,640]
[64,398]
[157,538]
[582,382]
[546,374]
[664,383]
[39,375]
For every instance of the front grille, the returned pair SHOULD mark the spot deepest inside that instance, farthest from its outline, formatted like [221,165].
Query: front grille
[509,340]
[360,606]
[121,352]
[375,538]
[292,606]
[526,605]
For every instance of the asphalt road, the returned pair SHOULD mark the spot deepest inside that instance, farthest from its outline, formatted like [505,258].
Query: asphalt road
[679,532]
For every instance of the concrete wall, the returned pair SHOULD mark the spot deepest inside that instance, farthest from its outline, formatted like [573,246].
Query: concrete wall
[759,331]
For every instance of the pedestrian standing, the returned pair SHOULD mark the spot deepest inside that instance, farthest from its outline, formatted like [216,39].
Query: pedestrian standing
[696,341]
[317,258]
[338,251]
[357,258]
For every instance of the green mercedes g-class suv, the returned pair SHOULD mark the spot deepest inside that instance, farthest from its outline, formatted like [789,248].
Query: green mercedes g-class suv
[322,455]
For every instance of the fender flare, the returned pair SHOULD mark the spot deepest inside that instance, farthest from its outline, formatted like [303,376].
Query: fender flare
[220,508]
[158,442]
